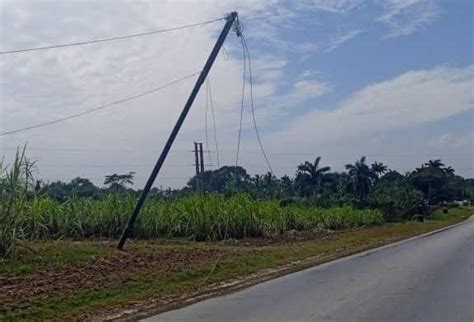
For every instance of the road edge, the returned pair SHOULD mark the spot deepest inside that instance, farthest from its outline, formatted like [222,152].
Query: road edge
[151,309]
[394,244]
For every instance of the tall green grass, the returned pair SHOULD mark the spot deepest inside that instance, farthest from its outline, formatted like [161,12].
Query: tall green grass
[16,181]
[194,217]
[25,215]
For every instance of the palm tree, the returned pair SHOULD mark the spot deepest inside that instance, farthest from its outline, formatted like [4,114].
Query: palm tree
[379,169]
[435,164]
[360,178]
[448,170]
[429,176]
[310,177]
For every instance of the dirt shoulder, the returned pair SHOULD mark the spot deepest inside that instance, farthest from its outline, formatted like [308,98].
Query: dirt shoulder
[91,280]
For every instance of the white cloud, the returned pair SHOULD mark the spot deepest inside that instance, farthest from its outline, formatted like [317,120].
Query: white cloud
[404,17]
[283,103]
[453,141]
[333,6]
[411,99]
[277,103]
[342,38]
[306,89]
[41,86]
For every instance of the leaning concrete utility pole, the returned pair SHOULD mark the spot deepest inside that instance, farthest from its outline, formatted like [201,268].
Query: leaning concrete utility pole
[159,163]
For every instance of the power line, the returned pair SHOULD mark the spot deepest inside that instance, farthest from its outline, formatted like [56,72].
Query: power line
[102,178]
[101,107]
[111,38]
[210,103]
[214,127]
[467,155]
[246,164]
[88,150]
[108,165]
[244,77]
[205,122]
[253,107]
[374,154]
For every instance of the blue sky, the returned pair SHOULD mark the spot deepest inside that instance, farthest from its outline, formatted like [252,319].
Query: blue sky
[389,79]
[373,55]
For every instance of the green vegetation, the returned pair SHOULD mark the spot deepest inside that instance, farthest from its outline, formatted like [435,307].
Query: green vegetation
[228,204]
[52,254]
[53,266]
[169,270]
[193,217]
[448,214]
[15,183]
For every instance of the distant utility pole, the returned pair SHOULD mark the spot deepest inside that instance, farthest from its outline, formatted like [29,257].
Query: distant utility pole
[201,157]
[231,18]
[196,157]
[199,164]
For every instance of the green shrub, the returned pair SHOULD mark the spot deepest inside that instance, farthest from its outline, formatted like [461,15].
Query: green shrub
[397,200]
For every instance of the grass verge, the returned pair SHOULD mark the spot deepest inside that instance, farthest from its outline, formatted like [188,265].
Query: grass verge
[80,280]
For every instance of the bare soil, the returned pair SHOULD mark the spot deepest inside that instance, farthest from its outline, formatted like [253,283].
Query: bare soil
[103,272]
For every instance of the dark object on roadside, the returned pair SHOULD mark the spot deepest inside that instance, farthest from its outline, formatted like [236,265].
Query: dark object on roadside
[445,210]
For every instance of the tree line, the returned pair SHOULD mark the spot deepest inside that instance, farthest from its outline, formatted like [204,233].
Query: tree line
[399,196]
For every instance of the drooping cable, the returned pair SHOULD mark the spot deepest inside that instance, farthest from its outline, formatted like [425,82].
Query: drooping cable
[257,132]
[109,39]
[101,107]
[242,100]
[214,126]
[206,124]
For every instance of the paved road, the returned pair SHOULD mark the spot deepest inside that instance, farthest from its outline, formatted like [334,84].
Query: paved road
[426,279]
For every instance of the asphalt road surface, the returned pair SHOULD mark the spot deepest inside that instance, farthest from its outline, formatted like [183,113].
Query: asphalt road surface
[425,279]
